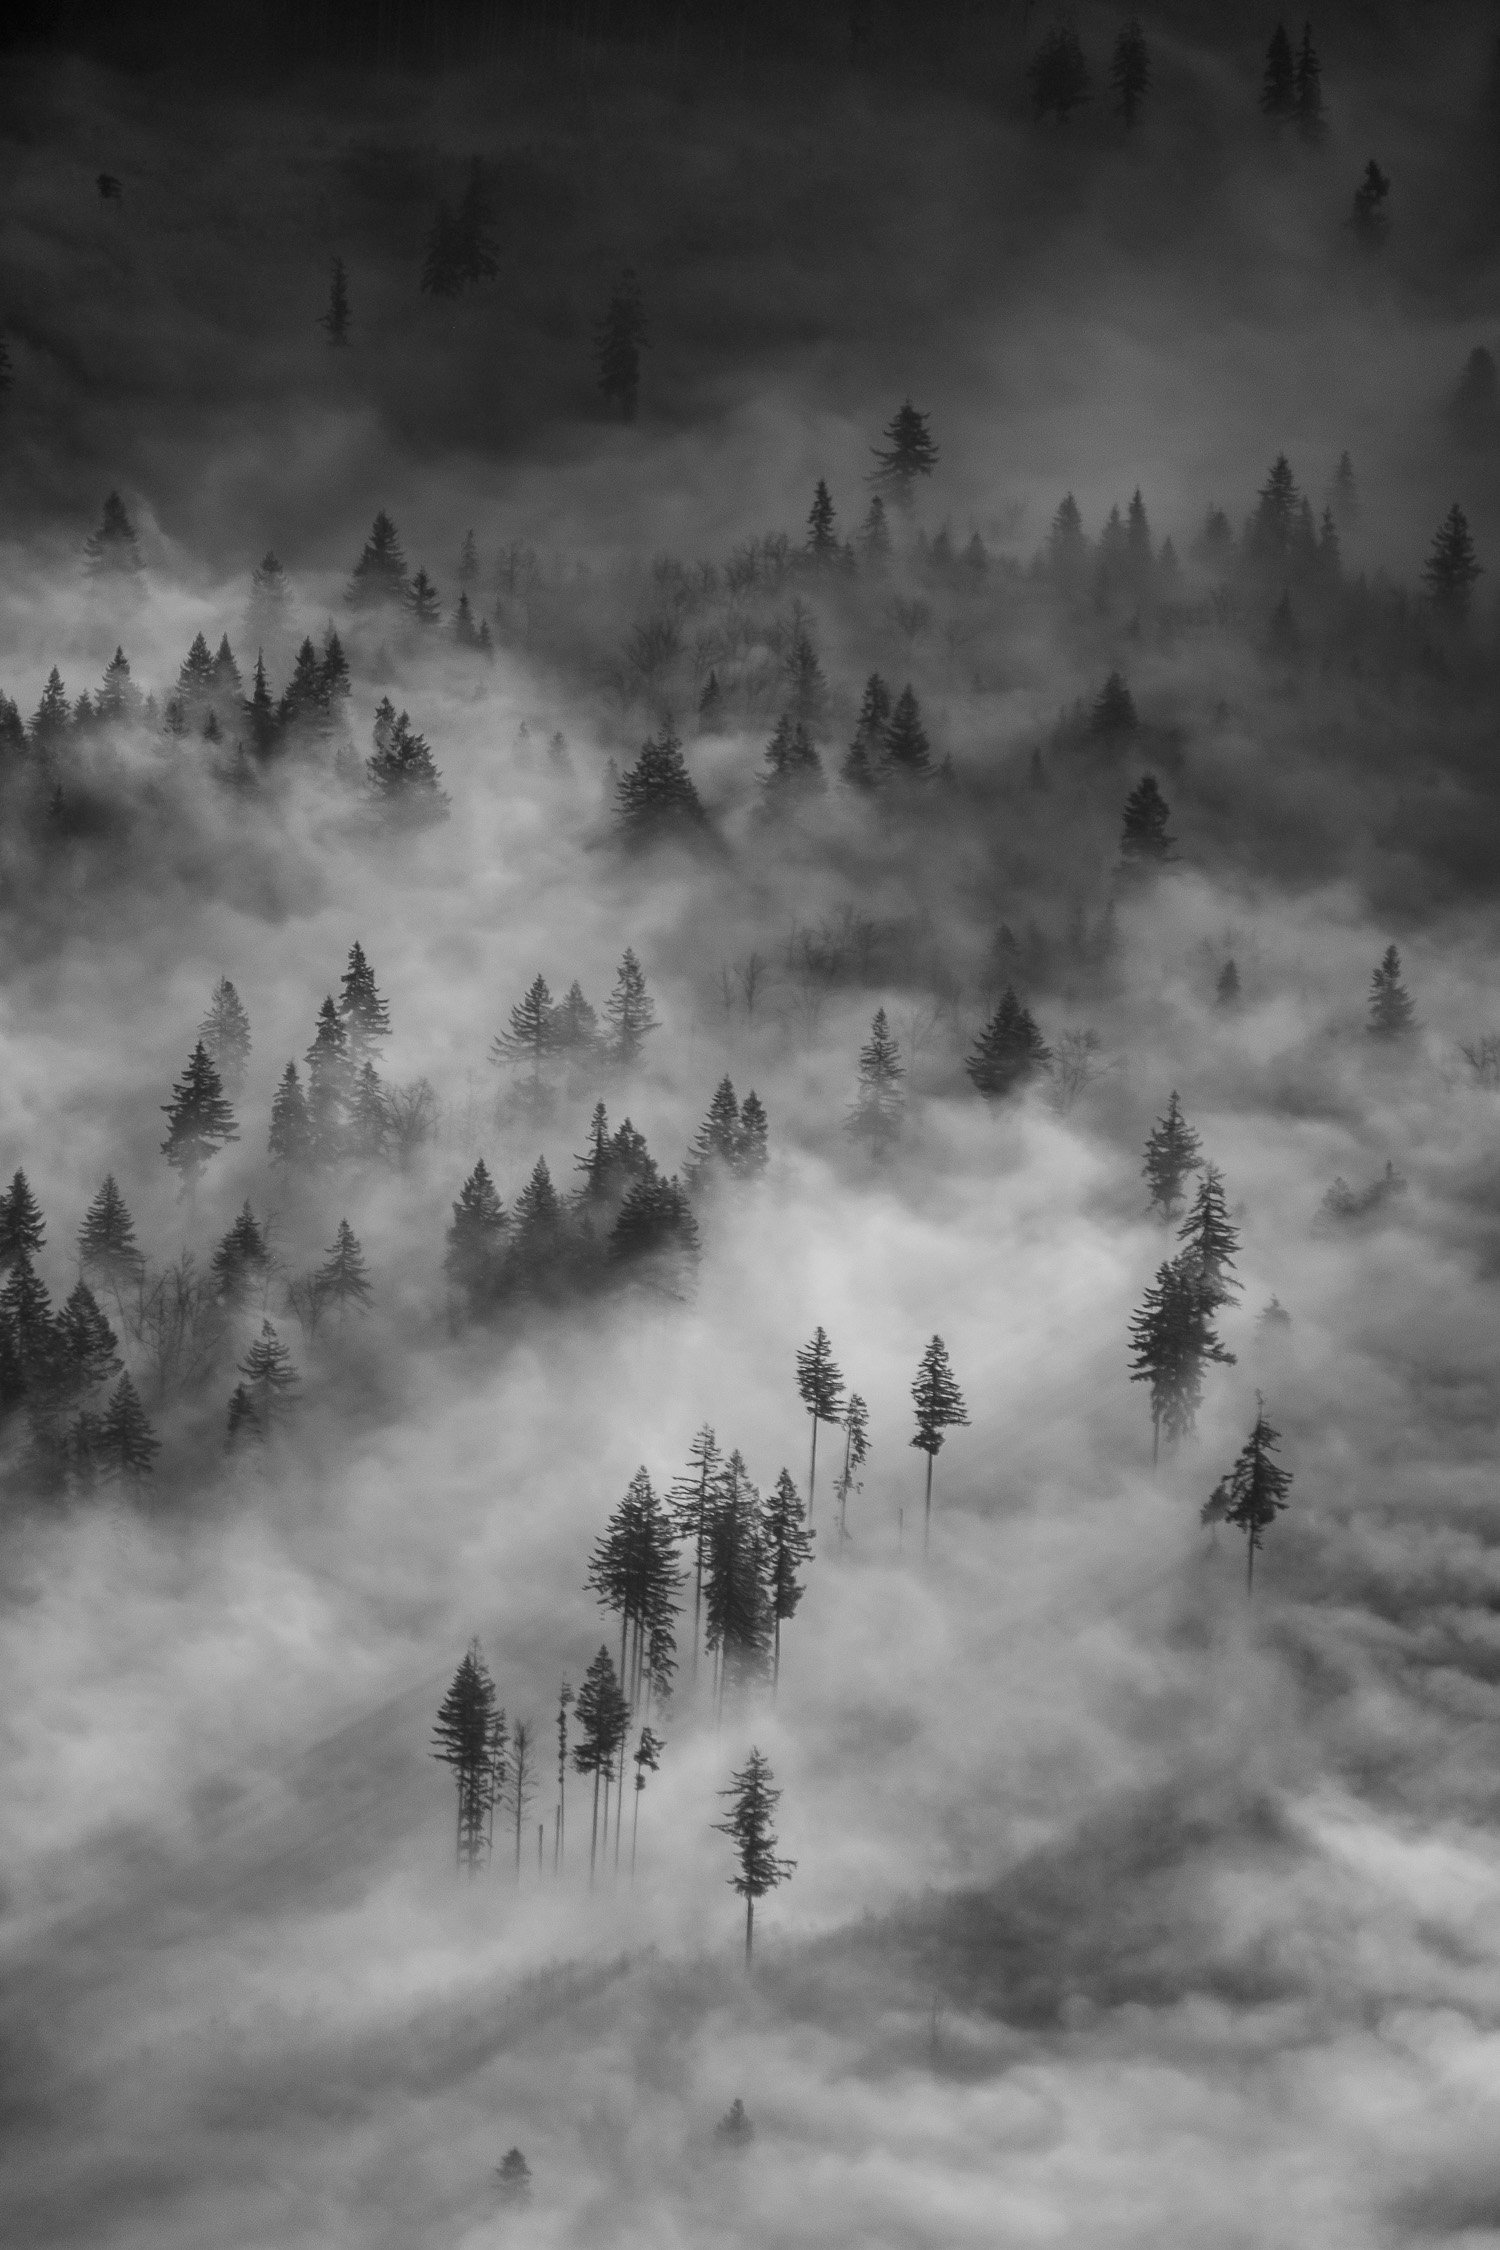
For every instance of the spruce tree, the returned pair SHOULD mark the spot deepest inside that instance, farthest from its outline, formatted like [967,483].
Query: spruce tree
[467,1739]
[344,1278]
[367,1018]
[270,596]
[118,697]
[1371,220]
[1174,1340]
[1144,837]
[476,1238]
[1114,712]
[1212,1239]
[940,1407]
[126,1446]
[865,760]
[88,1347]
[269,1377]
[520,1782]
[1171,1154]
[617,346]
[380,574]
[1130,72]
[1391,1015]
[1058,76]
[1257,1488]
[752,1146]
[1009,1052]
[199,1119]
[822,538]
[22,1227]
[906,747]
[513,2178]
[820,1386]
[106,1239]
[793,769]
[655,1228]
[788,1549]
[1067,551]
[909,452]
[691,1502]
[875,1117]
[1278,91]
[330,1086]
[656,798]
[856,1424]
[629,1013]
[575,1025]
[241,1262]
[537,1236]
[1451,569]
[875,536]
[737,1628]
[753,1800]
[337,318]
[423,605]
[633,1571]
[403,780]
[601,1721]
[1307,91]
[530,1040]
[225,1033]
[52,717]
[291,1141]
[369,1128]
[716,1144]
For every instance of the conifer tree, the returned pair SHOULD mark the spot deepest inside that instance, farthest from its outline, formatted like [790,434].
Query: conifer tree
[291,1140]
[629,1013]
[344,1278]
[646,1758]
[691,1501]
[367,1018]
[269,1377]
[1212,1239]
[788,1549]
[22,1227]
[601,1720]
[1144,838]
[908,453]
[617,347]
[1067,551]
[520,1784]
[1171,1154]
[807,692]
[113,549]
[1278,92]
[87,1341]
[1257,1488]
[1009,1052]
[1451,569]
[656,798]
[126,1446]
[752,1145]
[530,1040]
[940,1407]
[1130,72]
[716,1144]
[1057,75]
[199,1120]
[875,1117]
[106,1239]
[423,605]
[380,574]
[1391,1014]
[466,1738]
[633,1571]
[538,1232]
[737,1621]
[753,1800]
[856,1422]
[875,536]
[403,779]
[468,561]
[655,1229]
[225,1033]
[1227,989]
[906,747]
[820,1386]
[241,1261]
[1307,91]
[270,596]
[476,1238]
[822,538]
[1114,711]
[330,1085]
[793,768]
[865,758]
[369,1115]
[1174,1341]
[27,1324]
[1371,220]
[118,697]
[514,2179]
[51,719]
[337,318]
[711,705]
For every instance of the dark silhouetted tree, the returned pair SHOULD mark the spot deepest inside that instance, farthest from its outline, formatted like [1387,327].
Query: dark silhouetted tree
[617,346]
[1212,1239]
[1174,1340]
[476,1239]
[1144,838]
[530,1039]
[1130,72]
[752,1149]
[1371,220]
[655,797]
[367,1017]
[909,452]
[875,1117]
[822,538]
[241,1262]
[292,1139]
[1391,1015]
[402,777]
[22,1227]
[344,1279]
[940,1407]
[113,549]
[106,1239]
[1114,711]
[788,1546]
[737,1618]
[513,2177]
[820,1386]
[1451,568]
[269,1377]
[691,1501]
[646,1758]
[716,1144]
[126,1446]
[1009,1052]
[380,574]
[1171,1155]
[1307,90]
[1256,1488]
[465,1738]
[865,759]
[330,1085]
[601,1720]
[629,1013]
[199,1119]
[906,746]
[752,1801]
[423,605]
[1227,989]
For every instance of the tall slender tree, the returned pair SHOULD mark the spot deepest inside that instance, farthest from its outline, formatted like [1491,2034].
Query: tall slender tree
[22,1227]
[1451,568]
[291,1140]
[1278,92]
[269,1378]
[1171,1157]
[530,1040]
[330,1086]
[788,1549]
[1212,1239]
[820,1386]
[521,1782]
[1130,72]
[1010,1051]
[940,1407]
[199,1119]
[126,1446]
[629,1012]
[753,1799]
[344,1278]
[691,1499]
[1391,1015]
[909,452]
[560,1830]
[465,1739]
[107,1247]
[1256,1488]
[476,1238]
[601,1717]
[737,1621]
[1174,1341]
[366,1016]
[856,1453]
[876,1114]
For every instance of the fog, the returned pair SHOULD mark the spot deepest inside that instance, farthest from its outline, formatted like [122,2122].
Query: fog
[1127,1908]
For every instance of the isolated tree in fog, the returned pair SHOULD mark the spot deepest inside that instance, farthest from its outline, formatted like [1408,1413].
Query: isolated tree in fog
[112,550]
[876,1115]
[753,1800]
[1371,220]
[1130,72]
[909,452]
[1009,1052]
[1227,989]
[820,1386]
[940,1407]
[1278,90]
[1307,90]
[1451,568]
[1174,1340]
[1257,1487]
[1058,76]
[199,1120]
[617,346]
[655,797]
[22,1227]
[513,2177]
[788,1549]
[269,1377]
[336,319]
[465,1739]
[1144,840]
[225,1033]
[380,574]
[601,1720]
[822,538]
[291,1139]
[629,1012]
[906,746]
[1171,1155]
[125,1445]
[106,1240]
[1391,1014]
[1114,711]
[1212,1239]
[691,1502]
[344,1279]
[476,1237]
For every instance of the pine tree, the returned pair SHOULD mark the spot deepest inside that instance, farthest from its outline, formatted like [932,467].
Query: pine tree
[655,1225]
[875,536]
[51,720]
[126,1446]
[106,1239]
[380,574]
[468,561]
[1307,91]
[753,1801]
[629,1013]
[1067,552]
[402,777]
[793,769]
[856,1423]
[822,539]
[820,1386]
[1269,535]
[88,1345]
[118,697]
[1257,1488]
[369,1127]
[875,1117]
[225,1034]
[476,1238]
[601,1721]
[752,1146]
[711,706]
[530,1040]
[113,550]
[1174,1340]
[330,1086]
[1451,568]
[1371,220]
[1144,838]
[1212,1239]
[633,1571]
[423,605]
[617,346]
[292,1140]
[367,1018]
[241,1261]
[646,1758]
[908,453]
[1391,1013]
[1010,1051]
[466,1738]
[807,689]
[656,798]
[691,1502]
[737,1627]
[344,1278]
[716,1143]
[1171,1154]
[1130,72]
[514,2178]
[788,1549]
[575,1025]
[538,1220]
[1058,76]
[1114,712]
[1278,92]
[906,746]
[865,759]
[199,1120]
[22,1227]
[270,1377]
[940,1406]
[336,319]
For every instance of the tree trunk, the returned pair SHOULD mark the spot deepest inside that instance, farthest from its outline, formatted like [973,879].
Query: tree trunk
[594,1831]
[776,1656]
[927,1510]
[812,1469]
[749,1930]
[1250,1566]
[635,1830]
